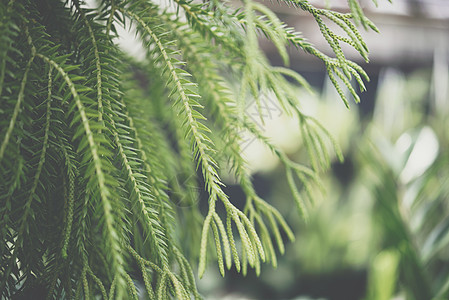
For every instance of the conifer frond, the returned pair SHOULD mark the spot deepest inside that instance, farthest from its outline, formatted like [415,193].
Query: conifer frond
[220,27]
[135,180]
[20,97]
[222,109]
[95,154]
[202,146]
[103,158]
[315,146]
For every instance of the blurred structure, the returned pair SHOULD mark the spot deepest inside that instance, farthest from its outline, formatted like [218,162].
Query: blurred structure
[411,31]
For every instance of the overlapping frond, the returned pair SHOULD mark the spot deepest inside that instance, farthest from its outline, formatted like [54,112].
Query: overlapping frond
[103,158]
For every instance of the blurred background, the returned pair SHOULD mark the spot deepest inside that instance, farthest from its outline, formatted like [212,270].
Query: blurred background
[380,230]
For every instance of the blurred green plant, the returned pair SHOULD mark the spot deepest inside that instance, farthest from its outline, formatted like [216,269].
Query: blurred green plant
[409,185]
[387,213]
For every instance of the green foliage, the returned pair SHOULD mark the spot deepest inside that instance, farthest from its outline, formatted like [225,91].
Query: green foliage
[389,216]
[92,156]
[408,177]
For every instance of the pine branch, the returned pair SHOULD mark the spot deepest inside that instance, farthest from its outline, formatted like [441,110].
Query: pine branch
[201,145]
[101,155]
[110,229]
[20,98]
[221,105]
